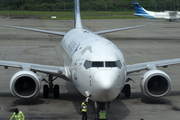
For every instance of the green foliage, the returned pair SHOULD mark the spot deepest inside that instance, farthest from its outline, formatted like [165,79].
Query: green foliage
[87,5]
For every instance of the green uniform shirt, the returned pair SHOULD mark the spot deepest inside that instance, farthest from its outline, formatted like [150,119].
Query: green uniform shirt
[19,116]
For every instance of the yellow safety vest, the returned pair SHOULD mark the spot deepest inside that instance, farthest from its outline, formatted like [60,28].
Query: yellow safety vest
[19,116]
[84,107]
[102,114]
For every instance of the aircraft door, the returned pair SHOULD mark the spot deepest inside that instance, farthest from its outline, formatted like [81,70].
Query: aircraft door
[77,69]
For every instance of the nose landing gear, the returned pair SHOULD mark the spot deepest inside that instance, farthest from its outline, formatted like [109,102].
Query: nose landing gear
[101,113]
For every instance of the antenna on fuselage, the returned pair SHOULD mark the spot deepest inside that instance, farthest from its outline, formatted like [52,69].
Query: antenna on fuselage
[77,15]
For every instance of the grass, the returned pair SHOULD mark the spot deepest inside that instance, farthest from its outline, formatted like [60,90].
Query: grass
[70,14]
[94,13]
[33,13]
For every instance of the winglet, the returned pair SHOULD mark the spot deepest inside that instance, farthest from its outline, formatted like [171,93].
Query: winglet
[77,15]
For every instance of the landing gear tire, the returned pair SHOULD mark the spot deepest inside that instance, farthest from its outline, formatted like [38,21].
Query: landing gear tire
[56,91]
[127,90]
[171,20]
[45,91]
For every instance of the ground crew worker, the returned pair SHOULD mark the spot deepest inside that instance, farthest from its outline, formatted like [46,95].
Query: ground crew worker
[18,115]
[102,115]
[84,109]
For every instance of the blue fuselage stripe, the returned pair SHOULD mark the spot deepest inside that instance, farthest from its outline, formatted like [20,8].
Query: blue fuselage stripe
[144,15]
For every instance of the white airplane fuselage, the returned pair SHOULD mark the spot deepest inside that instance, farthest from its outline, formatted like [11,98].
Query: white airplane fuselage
[90,59]
[163,15]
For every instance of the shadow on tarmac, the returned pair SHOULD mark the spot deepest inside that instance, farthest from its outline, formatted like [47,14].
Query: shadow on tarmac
[117,111]
[31,101]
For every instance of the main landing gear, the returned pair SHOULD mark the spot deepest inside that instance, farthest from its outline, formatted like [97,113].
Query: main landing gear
[51,88]
[126,90]
[171,20]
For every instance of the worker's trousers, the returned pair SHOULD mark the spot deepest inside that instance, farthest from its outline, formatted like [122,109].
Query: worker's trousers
[84,116]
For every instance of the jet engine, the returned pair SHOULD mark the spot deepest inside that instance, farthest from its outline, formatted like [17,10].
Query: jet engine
[155,83]
[25,84]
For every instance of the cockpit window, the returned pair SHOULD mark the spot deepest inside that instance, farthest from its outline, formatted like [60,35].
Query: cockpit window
[119,64]
[111,64]
[87,64]
[97,64]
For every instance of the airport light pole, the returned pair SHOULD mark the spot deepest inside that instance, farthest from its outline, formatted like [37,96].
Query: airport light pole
[164,6]
[170,5]
[156,4]
[64,6]
[106,6]
[22,4]
[177,4]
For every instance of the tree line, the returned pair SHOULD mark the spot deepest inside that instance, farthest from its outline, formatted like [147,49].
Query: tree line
[87,5]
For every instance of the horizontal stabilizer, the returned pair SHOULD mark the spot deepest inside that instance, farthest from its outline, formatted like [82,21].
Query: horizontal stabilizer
[38,30]
[119,29]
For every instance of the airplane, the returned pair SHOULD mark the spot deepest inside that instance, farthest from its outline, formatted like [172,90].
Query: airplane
[95,66]
[167,15]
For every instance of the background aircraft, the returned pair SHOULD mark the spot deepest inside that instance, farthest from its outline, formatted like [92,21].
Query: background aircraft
[167,15]
[92,63]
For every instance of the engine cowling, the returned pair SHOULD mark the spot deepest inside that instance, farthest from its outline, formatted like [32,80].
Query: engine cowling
[155,83]
[25,84]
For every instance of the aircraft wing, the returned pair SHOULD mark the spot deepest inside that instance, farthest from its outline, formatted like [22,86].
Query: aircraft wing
[51,70]
[119,29]
[151,65]
[38,30]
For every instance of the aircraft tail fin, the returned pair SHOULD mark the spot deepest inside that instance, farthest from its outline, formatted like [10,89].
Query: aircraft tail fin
[138,8]
[77,15]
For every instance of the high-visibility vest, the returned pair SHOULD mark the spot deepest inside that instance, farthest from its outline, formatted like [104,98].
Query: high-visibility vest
[84,107]
[102,114]
[19,116]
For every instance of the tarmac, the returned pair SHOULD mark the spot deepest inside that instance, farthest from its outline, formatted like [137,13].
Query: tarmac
[158,40]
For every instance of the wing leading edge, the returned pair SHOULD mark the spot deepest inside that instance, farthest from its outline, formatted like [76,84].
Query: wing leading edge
[51,70]
[151,65]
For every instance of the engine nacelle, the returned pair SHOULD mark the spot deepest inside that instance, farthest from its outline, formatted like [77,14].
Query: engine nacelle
[25,84]
[155,83]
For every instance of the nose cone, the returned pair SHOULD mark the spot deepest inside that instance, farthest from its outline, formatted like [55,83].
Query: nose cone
[105,79]
[105,85]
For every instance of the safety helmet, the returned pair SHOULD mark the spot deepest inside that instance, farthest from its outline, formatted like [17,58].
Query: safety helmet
[16,110]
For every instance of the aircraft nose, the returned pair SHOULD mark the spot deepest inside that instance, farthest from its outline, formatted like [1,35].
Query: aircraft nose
[104,79]
[106,86]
